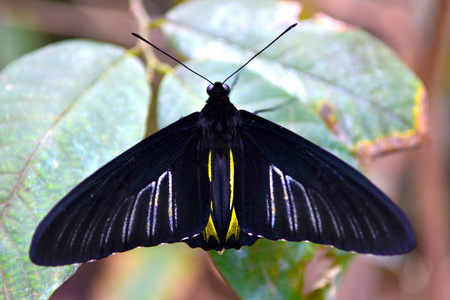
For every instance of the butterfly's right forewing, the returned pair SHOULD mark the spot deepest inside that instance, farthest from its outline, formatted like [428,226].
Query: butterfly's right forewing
[291,189]
[146,196]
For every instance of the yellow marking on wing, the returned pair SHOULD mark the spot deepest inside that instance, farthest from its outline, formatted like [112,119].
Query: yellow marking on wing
[209,167]
[210,229]
[233,228]
[231,179]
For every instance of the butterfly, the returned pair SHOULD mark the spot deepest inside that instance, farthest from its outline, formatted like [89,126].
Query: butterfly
[218,179]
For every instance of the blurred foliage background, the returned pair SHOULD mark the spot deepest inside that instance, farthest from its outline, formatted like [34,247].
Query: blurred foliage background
[419,31]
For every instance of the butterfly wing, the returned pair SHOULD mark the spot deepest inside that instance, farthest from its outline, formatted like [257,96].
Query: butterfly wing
[146,196]
[291,189]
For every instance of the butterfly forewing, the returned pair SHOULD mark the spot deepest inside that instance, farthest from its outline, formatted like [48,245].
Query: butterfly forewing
[292,189]
[148,195]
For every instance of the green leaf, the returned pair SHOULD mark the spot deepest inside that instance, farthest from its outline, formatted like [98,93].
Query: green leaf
[335,85]
[277,270]
[65,110]
[270,270]
[353,82]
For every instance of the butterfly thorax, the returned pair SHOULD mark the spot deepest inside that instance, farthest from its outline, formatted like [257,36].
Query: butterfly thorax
[218,119]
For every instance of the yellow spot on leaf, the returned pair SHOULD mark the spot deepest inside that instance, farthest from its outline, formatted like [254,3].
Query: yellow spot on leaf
[397,140]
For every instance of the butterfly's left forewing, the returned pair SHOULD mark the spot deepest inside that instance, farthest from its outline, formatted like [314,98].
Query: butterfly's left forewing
[147,196]
[288,188]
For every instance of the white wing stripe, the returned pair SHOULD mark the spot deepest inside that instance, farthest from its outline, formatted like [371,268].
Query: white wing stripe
[290,180]
[155,203]
[150,204]
[272,209]
[170,211]
[285,197]
[312,212]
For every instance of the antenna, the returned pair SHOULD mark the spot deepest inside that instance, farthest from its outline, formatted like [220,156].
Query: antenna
[178,61]
[289,28]
[167,54]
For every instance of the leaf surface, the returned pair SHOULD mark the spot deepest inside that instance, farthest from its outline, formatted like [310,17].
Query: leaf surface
[65,110]
[356,85]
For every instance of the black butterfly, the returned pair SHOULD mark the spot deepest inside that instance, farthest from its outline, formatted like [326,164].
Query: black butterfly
[220,179]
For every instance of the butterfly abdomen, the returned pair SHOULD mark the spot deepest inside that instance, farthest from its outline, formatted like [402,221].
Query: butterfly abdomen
[222,230]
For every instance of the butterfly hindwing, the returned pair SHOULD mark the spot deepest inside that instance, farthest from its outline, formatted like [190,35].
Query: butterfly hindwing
[146,196]
[291,189]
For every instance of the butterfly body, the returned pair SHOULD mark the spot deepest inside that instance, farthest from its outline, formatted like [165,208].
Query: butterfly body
[218,123]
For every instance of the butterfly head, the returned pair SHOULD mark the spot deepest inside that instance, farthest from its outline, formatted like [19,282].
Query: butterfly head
[218,90]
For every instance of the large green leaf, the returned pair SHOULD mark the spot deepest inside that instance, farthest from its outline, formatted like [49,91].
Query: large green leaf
[65,110]
[356,84]
[337,86]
